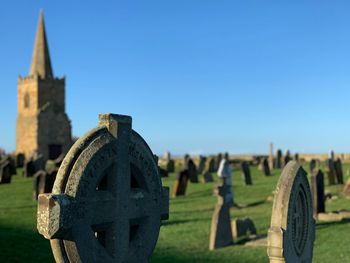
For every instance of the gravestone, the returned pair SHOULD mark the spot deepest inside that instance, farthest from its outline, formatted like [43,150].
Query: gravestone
[286,158]
[211,165]
[246,173]
[107,202]
[169,163]
[20,159]
[338,168]
[270,158]
[313,165]
[278,159]
[317,189]
[5,171]
[243,229]
[292,232]
[330,169]
[221,232]
[346,189]
[32,165]
[266,167]
[163,172]
[218,161]
[43,182]
[296,157]
[192,171]
[181,182]
[201,164]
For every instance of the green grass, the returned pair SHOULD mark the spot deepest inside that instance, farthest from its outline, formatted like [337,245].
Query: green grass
[185,236]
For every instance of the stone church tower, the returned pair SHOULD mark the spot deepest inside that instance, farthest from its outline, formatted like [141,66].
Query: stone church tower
[42,125]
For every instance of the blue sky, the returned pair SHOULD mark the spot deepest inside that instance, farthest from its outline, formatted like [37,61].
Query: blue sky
[196,76]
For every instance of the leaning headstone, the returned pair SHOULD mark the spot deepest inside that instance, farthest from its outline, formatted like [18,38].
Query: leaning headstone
[192,171]
[317,189]
[218,161]
[246,173]
[286,158]
[5,171]
[338,168]
[330,169]
[170,166]
[107,202]
[243,229]
[266,167]
[221,233]
[181,183]
[292,232]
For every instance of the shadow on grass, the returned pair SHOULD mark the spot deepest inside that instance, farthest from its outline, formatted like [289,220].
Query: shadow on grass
[321,225]
[23,245]
[253,204]
[18,207]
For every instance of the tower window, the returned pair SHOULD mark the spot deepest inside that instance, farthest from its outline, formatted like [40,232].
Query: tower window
[26,100]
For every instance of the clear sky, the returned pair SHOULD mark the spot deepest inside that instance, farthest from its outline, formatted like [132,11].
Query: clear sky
[196,76]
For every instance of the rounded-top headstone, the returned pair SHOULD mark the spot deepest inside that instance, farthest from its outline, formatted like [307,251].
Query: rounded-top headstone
[292,232]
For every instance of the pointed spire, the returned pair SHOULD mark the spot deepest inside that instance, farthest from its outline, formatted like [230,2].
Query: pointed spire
[41,63]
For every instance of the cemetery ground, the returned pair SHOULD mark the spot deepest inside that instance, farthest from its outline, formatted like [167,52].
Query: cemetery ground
[185,236]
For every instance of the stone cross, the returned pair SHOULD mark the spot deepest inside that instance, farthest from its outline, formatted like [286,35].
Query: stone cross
[292,232]
[107,202]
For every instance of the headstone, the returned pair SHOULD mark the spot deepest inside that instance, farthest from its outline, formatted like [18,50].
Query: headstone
[338,168]
[221,233]
[163,172]
[107,202]
[271,159]
[278,159]
[192,171]
[20,160]
[292,232]
[246,173]
[330,169]
[266,167]
[217,161]
[313,165]
[346,189]
[296,157]
[32,165]
[243,229]
[169,163]
[43,182]
[286,158]
[201,165]
[181,182]
[211,165]
[5,171]
[317,189]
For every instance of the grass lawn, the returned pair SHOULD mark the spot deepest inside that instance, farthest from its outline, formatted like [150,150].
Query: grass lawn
[185,236]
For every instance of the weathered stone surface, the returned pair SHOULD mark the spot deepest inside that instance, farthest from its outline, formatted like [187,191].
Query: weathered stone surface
[292,232]
[107,202]
[221,233]
[246,173]
[317,189]
[243,229]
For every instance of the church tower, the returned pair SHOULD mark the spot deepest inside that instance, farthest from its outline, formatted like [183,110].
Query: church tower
[42,125]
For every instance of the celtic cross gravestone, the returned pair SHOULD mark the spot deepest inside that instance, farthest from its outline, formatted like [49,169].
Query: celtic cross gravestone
[107,202]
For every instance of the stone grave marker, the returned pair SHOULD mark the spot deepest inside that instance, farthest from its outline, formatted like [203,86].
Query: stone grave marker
[217,161]
[330,169]
[338,168]
[265,167]
[201,164]
[32,165]
[286,158]
[243,229]
[292,232]
[43,182]
[278,159]
[211,165]
[20,159]
[317,189]
[5,171]
[107,202]
[221,232]
[181,182]
[313,165]
[246,173]
[192,171]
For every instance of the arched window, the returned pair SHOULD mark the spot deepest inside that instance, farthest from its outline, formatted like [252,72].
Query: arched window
[26,100]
